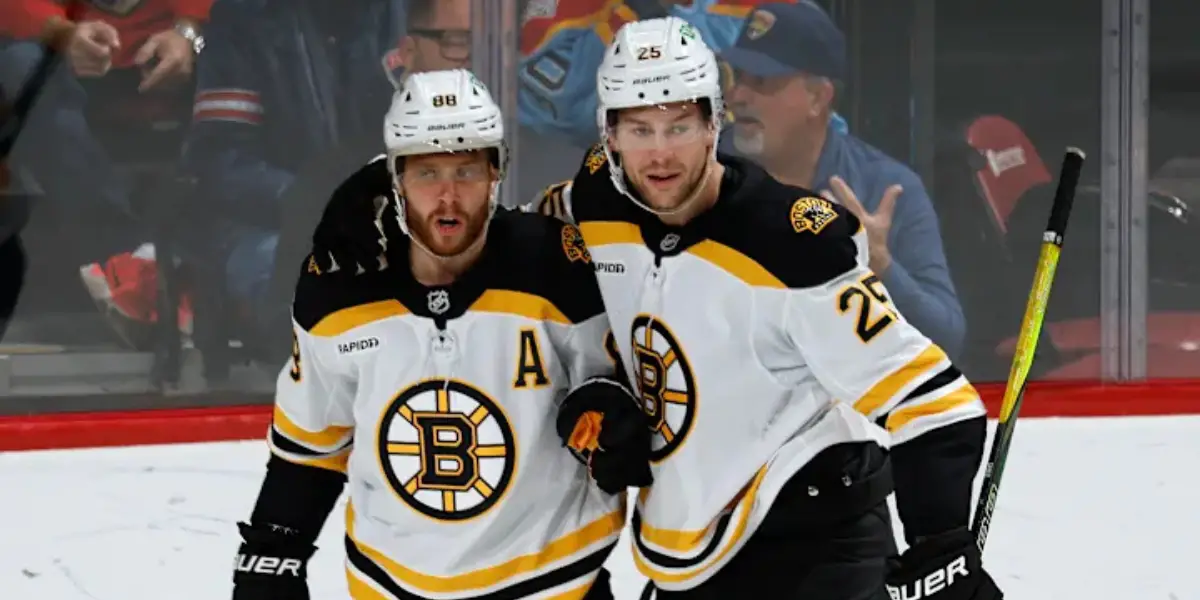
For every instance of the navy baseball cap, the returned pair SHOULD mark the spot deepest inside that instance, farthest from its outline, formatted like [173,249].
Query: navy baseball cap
[784,38]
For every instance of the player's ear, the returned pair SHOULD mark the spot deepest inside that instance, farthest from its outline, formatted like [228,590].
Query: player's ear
[408,48]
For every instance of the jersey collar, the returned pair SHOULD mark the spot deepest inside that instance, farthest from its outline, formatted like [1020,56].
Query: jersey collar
[445,302]
[665,240]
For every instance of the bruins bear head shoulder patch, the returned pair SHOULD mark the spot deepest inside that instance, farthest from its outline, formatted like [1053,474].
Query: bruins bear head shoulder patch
[812,214]
[573,246]
[596,159]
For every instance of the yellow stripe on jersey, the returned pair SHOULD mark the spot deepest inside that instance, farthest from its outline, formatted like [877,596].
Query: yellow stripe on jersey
[735,263]
[889,386]
[676,540]
[328,438]
[520,304]
[906,413]
[677,576]
[330,462]
[344,320]
[360,589]
[567,546]
[604,233]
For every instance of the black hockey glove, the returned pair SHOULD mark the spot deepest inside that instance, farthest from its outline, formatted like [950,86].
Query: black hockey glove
[604,427]
[272,564]
[357,223]
[946,566]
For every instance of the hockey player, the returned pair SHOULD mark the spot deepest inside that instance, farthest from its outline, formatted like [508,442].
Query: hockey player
[771,361]
[430,378]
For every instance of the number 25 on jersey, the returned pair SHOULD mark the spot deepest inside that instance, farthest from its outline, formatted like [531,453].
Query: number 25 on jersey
[860,298]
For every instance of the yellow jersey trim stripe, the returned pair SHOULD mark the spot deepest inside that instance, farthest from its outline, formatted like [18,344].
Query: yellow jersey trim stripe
[572,544]
[341,321]
[907,413]
[521,304]
[360,589]
[606,233]
[735,263]
[887,388]
[333,462]
[329,438]
[743,521]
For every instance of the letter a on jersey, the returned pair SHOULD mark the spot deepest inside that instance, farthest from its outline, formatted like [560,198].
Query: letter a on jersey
[531,371]
[447,449]
[665,384]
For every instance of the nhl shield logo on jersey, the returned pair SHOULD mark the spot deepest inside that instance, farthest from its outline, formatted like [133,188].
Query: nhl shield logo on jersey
[812,214]
[573,245]
[447,449]
[438,301]
[665,384]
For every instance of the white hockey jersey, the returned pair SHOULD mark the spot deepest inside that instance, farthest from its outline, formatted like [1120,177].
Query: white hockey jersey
[757,338]
[440,406]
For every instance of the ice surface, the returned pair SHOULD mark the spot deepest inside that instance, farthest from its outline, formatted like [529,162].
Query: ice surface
[1090,508]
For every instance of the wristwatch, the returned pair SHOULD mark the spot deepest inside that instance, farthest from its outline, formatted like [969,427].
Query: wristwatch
[192,35]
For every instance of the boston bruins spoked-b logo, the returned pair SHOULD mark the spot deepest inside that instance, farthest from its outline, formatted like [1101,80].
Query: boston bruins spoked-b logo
[447,449]
[665,385]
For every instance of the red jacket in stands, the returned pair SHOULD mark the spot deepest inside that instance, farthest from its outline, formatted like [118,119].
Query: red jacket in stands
[136,20]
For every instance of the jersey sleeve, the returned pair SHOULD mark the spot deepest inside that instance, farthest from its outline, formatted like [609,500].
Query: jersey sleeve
[864,352]
[313,421]
[582,345]
[860,348]
[554,201]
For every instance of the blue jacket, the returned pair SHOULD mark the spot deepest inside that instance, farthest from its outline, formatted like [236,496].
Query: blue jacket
[274,92]
[918,279]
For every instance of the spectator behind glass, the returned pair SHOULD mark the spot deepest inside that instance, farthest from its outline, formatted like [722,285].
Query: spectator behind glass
[438,36]
[562,44]
[142,47]
[788,63]
[289,96]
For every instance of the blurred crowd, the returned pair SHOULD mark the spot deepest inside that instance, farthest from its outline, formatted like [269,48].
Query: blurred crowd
[179,152]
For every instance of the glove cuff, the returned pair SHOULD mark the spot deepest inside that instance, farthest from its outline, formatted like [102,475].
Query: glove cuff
[946,566]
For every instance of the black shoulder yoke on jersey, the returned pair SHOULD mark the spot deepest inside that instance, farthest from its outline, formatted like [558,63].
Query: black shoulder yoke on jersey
[528,253]
[794,233]
[797,236]
[546,257]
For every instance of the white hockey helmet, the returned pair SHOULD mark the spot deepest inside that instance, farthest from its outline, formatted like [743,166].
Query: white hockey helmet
[438,112]
[653,62]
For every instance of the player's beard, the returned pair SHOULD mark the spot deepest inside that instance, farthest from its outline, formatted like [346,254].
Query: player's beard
[671,200]
[470,230]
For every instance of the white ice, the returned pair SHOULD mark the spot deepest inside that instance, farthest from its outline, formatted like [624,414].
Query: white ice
[1090,508]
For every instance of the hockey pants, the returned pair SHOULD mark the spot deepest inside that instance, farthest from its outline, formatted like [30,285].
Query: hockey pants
[830,546]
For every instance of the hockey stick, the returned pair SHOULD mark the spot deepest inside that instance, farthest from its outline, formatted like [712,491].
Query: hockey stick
[1027,340]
